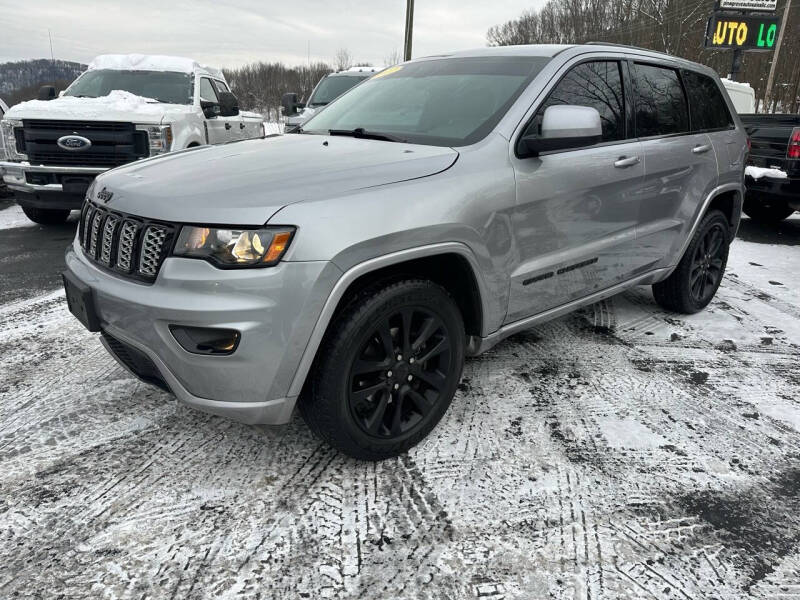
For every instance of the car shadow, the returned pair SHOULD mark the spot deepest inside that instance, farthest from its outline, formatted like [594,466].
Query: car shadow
[785,233]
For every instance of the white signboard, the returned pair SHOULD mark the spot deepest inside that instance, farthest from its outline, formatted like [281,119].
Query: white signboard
[748,4]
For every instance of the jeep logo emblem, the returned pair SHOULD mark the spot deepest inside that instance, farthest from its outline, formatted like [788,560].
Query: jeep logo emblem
[105,196]
[73,142]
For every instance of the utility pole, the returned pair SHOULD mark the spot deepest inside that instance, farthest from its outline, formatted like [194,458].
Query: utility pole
[773,66]
[409,29]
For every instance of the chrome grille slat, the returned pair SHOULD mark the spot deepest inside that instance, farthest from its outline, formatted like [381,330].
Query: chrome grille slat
[150,256]
[109,229]
[131,246]
[96,220]
[127,237]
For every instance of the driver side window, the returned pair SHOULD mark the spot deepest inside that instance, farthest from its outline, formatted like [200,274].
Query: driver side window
[207,91]
[596,84]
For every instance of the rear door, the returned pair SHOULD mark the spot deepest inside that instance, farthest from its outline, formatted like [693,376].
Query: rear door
[711,114]
[574,224]
[680,166]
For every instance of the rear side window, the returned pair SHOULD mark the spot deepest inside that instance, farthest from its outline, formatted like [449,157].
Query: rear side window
[660,102]
[595,84]
[706,103]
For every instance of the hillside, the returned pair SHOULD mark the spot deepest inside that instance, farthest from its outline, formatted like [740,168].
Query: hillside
[20,80]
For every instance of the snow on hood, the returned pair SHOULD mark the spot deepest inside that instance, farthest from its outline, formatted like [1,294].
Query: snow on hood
[150,62]
[118,105]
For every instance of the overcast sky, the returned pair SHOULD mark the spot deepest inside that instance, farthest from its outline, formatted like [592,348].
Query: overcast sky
[231,33]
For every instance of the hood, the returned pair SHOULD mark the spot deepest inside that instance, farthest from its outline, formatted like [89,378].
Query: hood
[117,106]
[246,182]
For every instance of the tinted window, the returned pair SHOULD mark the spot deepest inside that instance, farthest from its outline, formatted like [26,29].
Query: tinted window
[331,88]
[207,91]
[222,86]
[173,88]
[706,103]
[594,84]
[660,101]
[440,102]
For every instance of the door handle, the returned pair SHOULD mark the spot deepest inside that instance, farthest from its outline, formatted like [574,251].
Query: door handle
[241,125]
[623,162]
[701,149]
[227,125]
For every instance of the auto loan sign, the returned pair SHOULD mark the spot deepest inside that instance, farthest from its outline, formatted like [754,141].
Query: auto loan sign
[743,32]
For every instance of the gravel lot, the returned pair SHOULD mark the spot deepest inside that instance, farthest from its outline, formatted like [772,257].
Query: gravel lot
[620,452]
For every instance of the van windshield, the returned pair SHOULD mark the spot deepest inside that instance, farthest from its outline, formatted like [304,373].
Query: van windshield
[438,102]
[331,88]
[163,86]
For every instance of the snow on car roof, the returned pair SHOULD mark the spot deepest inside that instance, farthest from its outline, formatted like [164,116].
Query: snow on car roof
[150,62]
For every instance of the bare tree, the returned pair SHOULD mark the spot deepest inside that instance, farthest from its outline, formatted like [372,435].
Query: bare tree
[673,26]
[342,60]
[394,57]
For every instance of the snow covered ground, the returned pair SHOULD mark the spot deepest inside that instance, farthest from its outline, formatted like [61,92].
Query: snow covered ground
[621,452]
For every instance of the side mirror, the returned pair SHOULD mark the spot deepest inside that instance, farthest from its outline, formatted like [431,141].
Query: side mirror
[46,92]
[228,104]
[210,108]
[290,104]
[564,127]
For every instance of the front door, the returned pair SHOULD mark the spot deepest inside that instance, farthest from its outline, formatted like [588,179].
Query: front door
[575,221]
[220,129]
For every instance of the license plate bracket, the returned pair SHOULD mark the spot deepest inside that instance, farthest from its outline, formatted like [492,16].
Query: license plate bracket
[80,301]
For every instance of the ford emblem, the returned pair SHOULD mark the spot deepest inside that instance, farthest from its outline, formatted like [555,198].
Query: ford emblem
[73,142]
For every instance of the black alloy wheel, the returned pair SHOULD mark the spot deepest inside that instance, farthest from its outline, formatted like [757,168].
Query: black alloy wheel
[708,264]
[400,373]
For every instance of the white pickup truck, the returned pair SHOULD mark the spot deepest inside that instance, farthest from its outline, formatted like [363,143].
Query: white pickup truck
[123,108]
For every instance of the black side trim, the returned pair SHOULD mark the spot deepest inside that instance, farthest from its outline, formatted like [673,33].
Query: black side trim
[579,265]
[541,277]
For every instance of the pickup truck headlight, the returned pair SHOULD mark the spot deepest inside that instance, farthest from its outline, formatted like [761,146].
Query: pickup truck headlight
[159,138]
[8,139]
[234,247]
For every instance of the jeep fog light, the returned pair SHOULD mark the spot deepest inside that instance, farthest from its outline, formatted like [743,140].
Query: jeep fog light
[232,248]
[206,340]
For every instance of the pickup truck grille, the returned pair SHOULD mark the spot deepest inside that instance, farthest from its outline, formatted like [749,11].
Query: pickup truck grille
[126,245]
[113,143]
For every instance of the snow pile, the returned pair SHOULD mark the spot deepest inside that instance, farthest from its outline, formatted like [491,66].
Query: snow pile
[759,172]
[149,62]
[72,107]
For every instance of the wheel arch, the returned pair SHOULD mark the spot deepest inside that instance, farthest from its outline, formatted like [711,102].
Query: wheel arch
[451,264]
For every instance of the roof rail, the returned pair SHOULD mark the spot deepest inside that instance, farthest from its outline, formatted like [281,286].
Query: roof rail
[629,46]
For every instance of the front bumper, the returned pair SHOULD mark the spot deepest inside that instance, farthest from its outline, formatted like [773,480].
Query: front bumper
[275,310]
[43,186]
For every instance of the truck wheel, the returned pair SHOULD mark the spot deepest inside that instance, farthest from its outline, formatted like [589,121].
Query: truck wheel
[387,370]
[766,211]
[46,216]
[694,282]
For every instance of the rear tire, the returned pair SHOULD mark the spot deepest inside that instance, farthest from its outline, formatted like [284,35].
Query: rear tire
[695,281]
[766,211]
[387,370]
[46,216]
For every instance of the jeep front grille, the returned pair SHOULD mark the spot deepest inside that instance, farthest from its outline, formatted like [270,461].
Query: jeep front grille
[127,245]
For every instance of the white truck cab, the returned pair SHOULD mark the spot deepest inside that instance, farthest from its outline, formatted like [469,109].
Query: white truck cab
[123,108]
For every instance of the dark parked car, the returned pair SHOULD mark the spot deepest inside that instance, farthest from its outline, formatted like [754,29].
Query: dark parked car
[775,144]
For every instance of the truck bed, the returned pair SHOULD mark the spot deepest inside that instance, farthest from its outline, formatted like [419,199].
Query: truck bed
[769,141]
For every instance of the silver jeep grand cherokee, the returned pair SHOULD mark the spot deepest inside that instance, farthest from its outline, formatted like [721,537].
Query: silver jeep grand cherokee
[425,215]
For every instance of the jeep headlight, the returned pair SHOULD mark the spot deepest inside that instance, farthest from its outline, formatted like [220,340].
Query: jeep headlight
[234,247]
[159,138]
[8,139]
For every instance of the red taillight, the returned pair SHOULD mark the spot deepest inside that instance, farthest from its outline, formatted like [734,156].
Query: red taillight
[794,144]
[749,144]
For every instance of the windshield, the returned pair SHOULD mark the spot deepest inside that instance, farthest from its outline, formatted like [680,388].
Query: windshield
[331,88]
[172,88]
[440,102]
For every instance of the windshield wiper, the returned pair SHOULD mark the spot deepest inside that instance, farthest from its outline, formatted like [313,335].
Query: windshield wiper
[361,133]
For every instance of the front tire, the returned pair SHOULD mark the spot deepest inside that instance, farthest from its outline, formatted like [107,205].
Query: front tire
[46,216]
[695,281]
[387,370]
